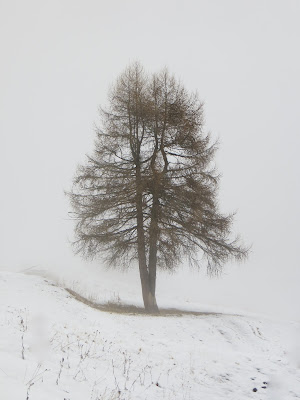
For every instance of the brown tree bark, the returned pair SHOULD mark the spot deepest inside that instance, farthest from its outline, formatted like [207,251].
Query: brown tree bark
[148,290]
[153,252]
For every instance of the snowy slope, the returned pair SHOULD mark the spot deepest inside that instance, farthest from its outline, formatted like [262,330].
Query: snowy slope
[54,347]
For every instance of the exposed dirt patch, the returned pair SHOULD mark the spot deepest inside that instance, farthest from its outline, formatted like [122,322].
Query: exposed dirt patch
[134,310]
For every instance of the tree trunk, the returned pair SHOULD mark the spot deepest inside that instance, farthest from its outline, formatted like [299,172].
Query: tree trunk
[153,252]
[148,295]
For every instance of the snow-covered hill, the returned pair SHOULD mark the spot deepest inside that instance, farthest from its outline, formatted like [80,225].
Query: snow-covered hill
[53,347]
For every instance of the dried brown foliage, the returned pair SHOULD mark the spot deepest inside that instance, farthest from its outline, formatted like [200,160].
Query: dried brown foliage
[149,191]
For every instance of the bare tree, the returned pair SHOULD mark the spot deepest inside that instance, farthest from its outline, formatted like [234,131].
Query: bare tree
[149,191]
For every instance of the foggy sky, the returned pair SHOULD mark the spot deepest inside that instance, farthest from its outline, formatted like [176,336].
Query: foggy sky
[58,59]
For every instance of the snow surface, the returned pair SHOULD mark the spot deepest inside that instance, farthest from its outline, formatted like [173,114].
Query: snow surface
[55,347]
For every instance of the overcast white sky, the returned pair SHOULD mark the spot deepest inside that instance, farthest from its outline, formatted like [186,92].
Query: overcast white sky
[58,59]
